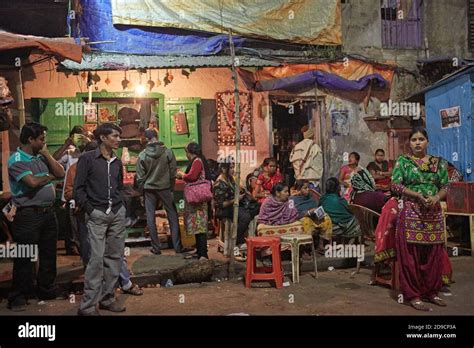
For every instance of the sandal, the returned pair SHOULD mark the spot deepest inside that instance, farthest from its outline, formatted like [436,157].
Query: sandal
[134,290]
[438,301]
[191,257]
[419,305]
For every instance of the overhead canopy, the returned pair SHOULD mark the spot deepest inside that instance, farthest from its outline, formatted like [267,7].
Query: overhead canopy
[351,79]
[304,21]
[61,48]
[105,61]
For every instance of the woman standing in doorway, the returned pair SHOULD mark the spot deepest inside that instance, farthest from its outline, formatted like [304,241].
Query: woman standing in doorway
[422,180]
[196,215]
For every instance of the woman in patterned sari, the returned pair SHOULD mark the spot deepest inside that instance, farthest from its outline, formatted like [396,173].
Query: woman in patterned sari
[196,215]
[422,180]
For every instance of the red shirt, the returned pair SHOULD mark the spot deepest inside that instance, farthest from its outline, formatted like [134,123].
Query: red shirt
[195,171]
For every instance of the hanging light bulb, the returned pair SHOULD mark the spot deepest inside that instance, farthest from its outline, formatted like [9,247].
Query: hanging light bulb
[140,89]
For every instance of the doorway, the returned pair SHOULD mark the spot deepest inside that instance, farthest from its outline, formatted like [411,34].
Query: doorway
[289,115]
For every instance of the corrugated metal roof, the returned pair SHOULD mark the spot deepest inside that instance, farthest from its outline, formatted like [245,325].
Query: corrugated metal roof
[102,61]
[419,95]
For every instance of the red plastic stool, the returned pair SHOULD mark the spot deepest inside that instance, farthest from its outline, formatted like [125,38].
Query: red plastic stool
[264,273]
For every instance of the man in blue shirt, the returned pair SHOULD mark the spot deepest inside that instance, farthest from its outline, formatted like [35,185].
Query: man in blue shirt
[30,170]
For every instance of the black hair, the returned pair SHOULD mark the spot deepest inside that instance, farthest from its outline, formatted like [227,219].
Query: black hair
[379,150]
[91,146]
[33,130]
[105,129]
[419,130]
[76,130]
[356,155]
[195,149]
[268,160]
[278,188]
[332,185]
[225,165]
[300,183]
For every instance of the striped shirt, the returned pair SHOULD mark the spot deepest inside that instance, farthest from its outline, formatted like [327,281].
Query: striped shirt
[21,164]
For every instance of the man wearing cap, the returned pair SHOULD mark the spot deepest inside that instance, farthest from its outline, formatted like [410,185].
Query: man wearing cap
[156,175]
[307,158]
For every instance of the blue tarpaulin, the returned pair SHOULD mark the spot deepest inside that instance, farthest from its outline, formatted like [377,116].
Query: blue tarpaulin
[96,24]
[309,79]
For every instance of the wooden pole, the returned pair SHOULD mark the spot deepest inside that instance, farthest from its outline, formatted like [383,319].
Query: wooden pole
[21,100]
[5,157]
[324,140]
[237,159]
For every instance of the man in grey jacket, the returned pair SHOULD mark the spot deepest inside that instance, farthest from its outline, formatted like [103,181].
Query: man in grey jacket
[156,175]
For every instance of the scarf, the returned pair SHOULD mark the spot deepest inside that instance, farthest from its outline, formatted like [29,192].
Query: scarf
[274,212]
[362,181]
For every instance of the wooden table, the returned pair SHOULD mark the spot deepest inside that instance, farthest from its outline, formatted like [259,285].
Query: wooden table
[471,226]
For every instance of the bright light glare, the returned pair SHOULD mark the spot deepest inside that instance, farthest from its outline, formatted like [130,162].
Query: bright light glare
[140,90]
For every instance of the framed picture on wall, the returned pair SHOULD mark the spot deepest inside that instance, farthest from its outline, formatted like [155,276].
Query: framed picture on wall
[340,122]
[90,112]
[107,112]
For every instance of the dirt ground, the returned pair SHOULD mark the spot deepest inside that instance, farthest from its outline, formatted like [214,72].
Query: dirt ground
[334,293]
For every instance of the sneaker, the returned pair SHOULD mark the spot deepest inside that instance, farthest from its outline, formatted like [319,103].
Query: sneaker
[156,252]
[17,306]
[113,307]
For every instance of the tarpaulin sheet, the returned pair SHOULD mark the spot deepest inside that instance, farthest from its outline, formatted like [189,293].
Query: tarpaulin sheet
[316,22]
[349,69]
[96,24]
[61,48]
[322,79]
[352,79]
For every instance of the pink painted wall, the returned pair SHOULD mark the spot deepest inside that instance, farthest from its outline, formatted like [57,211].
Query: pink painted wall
[42,82]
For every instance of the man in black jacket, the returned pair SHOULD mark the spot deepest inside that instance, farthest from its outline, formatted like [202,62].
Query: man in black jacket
[97,190]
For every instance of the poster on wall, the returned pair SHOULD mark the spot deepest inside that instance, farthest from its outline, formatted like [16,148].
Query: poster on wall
[450,117]
[340,122]
[180,123]
[226,119]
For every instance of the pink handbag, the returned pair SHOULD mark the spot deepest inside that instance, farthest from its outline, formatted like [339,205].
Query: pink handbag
[198,192]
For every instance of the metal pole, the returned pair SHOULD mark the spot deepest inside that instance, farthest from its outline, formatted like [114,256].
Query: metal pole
[237,159]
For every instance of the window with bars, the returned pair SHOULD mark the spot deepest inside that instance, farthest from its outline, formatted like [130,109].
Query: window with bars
[401,23]
[470,23]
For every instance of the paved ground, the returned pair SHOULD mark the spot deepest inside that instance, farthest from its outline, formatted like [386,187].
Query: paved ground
[334,293]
